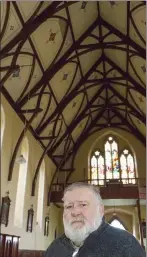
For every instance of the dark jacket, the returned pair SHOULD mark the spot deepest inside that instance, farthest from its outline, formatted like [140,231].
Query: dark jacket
[106,241]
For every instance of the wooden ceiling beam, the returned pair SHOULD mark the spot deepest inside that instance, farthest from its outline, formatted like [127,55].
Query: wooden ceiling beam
[127,40]
[127,76]
[52,70]
[126,102]
[30,26]
[135,132]
[74,123]
[84,135]
[65,101]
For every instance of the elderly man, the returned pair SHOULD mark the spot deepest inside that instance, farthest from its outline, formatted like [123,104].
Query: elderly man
[86,233]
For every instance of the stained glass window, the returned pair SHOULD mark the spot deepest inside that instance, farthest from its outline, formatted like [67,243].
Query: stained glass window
[111,159]
[110,165]
[127,167]
[97,168]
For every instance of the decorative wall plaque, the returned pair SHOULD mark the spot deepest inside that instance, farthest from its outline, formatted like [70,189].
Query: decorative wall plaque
[4,213]
[144,228]
[46,226]
[30,219]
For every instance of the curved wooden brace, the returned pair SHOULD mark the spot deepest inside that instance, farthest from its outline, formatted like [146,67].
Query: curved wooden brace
[37,170]
[17,147]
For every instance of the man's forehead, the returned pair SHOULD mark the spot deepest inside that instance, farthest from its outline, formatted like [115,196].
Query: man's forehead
[78,194]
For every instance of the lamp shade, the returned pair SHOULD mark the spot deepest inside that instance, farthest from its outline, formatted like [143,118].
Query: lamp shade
[21,159]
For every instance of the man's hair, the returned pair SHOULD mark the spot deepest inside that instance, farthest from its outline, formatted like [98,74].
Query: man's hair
[91,187]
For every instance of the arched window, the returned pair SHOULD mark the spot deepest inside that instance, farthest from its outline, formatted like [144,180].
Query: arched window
[127,167]
[40,194]
[111,159]
[110,165]
[97,168]
[21,185]
[2,124]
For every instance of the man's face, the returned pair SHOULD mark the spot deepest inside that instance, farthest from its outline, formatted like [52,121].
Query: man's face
[82,213]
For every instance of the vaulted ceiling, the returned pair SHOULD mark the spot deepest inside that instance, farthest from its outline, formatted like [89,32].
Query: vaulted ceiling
[70,69]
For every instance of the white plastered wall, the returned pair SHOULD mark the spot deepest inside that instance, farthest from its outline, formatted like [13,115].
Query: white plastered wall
[35,240]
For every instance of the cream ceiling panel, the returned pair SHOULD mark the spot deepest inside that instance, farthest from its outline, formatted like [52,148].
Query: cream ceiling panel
[102,120]
[92,91]
[51,109]
[100,67]
[115,14]
[88,59]
[119,88]
[60,83]
[15,85]
[13,26]
[54,126]
[95,75]
[44,6]
[36,76]
[138,71]
[115,119]
[79,128]
[27,9]
[72,108]
[49,42]
[84,17]
[99,101]
[111,38]
[84,103]
[3,13]
[44,106]
[139,18]
[140,101]
[89,40]
[5,62]
[118,57]
[140,126]
[67,43]
[95,32]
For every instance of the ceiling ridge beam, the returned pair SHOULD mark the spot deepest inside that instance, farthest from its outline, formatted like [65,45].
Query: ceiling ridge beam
[52,70]
[127,76]
[65,101]
[127,40]
[74,123]
[126,102]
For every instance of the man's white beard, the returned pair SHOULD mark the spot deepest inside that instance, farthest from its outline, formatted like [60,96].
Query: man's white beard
[78,235]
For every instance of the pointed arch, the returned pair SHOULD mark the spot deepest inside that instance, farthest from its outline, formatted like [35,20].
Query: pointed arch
[21,185]
[97,168]
[111,158]
[40,199]
[116,222]
[127,167]
[110,163]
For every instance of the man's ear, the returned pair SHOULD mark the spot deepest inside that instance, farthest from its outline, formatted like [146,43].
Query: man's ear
[101,209]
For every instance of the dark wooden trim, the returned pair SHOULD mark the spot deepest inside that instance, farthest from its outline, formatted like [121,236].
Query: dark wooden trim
[30,253]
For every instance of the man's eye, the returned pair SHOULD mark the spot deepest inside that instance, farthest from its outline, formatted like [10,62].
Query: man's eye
[68,207]
[83,204]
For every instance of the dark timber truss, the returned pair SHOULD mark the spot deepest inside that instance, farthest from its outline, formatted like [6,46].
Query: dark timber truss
[107,107]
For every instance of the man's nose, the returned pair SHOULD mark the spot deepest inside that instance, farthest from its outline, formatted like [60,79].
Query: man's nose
[75,211]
